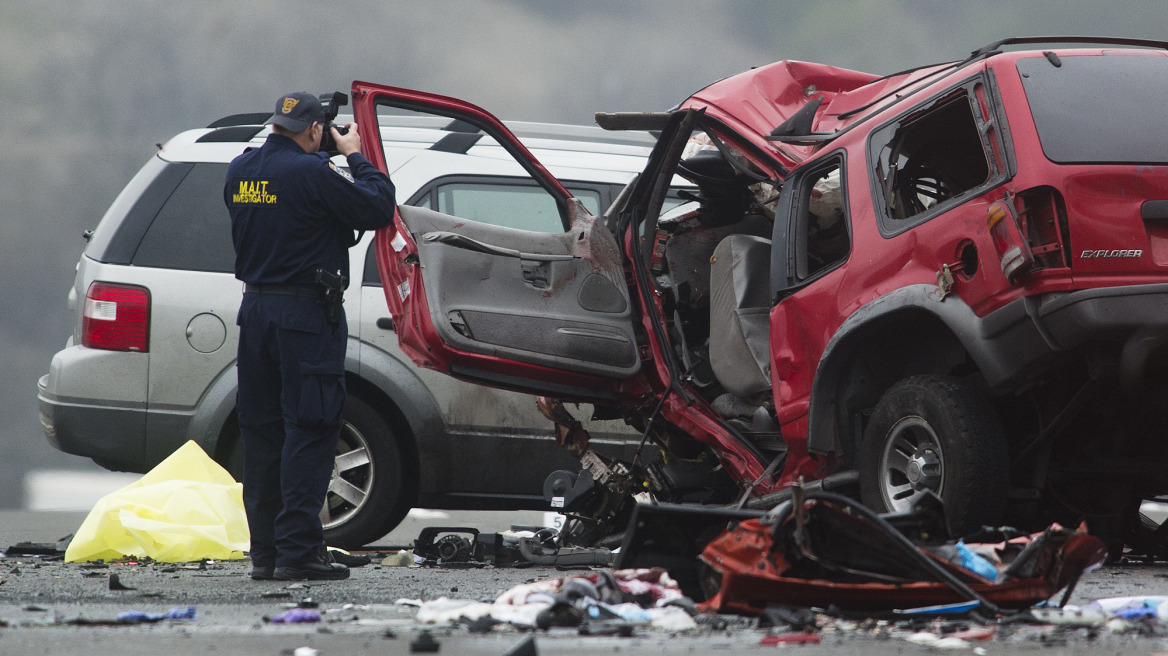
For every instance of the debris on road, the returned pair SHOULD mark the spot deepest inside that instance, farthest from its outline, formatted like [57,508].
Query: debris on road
[604,602]
[825,550]
[790,639]
[637,603]
[401,558]
[673,536]
[457,546]
[124,618]
[49,549]
[525,647]
[424,643]
[1105,612]
[177,613]
[115,583]
[295,616]
[347,559]
[817,569]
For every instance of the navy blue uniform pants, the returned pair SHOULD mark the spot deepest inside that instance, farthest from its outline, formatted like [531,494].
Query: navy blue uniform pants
[291,392]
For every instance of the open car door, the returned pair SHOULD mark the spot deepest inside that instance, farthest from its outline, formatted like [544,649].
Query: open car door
[540,312]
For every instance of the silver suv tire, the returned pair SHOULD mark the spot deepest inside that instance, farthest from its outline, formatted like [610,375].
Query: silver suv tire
[370,490]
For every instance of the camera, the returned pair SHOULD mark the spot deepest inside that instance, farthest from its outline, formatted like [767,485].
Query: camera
[332,103]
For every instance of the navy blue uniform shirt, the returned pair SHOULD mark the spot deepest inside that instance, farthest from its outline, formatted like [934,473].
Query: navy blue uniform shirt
[294,212]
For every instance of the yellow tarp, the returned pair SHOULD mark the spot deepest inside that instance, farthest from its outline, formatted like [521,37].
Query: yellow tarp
[187,508]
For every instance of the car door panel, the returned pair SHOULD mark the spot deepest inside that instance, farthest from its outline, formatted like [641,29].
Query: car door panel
[532,301]
[539,312]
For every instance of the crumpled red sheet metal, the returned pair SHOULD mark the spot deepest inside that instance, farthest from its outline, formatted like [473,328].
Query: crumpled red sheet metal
[829,555]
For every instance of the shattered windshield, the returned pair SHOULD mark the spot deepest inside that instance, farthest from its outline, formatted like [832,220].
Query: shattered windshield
[1099,109]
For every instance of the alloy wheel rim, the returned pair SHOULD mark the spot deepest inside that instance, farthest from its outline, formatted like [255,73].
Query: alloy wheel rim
[351,480]
[911,464]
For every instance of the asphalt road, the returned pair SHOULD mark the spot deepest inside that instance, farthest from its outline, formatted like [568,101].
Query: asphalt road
[361,616]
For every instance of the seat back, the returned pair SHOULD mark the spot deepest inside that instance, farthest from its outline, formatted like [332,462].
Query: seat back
[740,314]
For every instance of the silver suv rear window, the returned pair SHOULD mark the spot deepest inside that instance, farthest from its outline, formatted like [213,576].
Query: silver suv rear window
[192,230]
[117,235]
[170,216]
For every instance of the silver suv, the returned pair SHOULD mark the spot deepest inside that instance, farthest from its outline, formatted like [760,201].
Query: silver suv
[151,362]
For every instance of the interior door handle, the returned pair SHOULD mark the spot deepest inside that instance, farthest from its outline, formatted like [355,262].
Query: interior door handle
[535,274]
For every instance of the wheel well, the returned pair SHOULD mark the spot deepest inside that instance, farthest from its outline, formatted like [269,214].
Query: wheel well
[228,437]
[225,447]
[385,406]
[227,452]
[891,348]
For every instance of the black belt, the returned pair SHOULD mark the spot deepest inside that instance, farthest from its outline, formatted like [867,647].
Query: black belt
[306,291]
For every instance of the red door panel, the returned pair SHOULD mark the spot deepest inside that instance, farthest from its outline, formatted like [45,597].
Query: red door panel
[503,307]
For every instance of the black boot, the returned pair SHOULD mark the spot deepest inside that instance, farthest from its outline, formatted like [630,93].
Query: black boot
[318,567]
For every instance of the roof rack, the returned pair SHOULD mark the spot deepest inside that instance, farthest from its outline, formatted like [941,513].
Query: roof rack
[1098,40]
[240,119]
[243,127]
[231,134]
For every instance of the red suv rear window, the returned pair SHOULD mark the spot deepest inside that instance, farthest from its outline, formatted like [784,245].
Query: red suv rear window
[1099,109]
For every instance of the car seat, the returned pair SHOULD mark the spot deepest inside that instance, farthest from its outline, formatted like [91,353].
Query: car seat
[740,314]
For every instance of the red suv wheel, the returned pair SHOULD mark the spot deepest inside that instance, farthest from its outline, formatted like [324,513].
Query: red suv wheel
[936,434]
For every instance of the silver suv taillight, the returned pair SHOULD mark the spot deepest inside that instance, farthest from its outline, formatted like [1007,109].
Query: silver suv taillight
[116,317]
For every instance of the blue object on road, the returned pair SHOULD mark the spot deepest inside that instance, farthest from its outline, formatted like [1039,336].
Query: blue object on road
[176,613]
[959,608]
[975,563]
[297,616]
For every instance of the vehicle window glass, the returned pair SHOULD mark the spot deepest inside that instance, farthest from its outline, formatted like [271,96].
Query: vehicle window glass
[1120,108]
[371,277]
[192,230]
[501,194]
[119,232]
[511,206]
[526,204]
[672,202]
[922,161]
[822,228]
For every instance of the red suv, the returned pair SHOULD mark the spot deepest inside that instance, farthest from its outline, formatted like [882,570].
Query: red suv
[951,279]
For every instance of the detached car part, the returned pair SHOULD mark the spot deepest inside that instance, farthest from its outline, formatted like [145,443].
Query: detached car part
[825,550]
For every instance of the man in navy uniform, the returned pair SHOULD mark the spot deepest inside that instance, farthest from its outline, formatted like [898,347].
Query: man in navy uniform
[293,218]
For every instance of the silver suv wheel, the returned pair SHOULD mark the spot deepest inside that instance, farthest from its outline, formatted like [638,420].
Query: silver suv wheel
[373,481]
[351,480]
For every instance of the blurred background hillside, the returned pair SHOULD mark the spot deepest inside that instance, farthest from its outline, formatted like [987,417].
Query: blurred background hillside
[88,87]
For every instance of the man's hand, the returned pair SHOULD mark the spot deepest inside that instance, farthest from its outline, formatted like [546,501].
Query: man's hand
[348,143]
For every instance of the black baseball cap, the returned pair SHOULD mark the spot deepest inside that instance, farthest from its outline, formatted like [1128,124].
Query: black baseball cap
[296,111]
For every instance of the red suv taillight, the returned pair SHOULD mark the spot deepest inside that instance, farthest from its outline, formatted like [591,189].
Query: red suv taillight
[1013,251]
[116,318]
